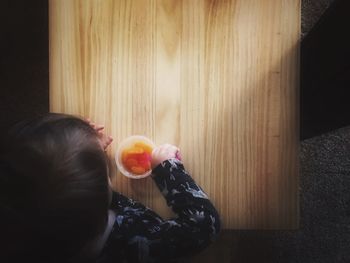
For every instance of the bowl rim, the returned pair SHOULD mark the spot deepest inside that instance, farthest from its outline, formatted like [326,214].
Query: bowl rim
[124,143]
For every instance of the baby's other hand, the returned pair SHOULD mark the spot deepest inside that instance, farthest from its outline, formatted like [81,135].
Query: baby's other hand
[164,152]
[105,140]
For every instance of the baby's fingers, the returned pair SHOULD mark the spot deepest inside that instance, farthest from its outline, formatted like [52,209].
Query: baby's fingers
[95,126]
[109,139]
[163,153]
[99,128]
[106,141]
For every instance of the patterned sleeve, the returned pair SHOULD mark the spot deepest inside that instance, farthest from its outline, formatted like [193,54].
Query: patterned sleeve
[140,235]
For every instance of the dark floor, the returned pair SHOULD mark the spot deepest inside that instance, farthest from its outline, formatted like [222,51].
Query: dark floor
[311,10]
[324,234]
[24,68]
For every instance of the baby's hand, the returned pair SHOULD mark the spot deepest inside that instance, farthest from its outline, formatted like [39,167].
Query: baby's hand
[163,153]
[105,140]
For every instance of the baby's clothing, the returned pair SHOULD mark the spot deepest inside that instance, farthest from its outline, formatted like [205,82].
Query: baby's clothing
[140,235]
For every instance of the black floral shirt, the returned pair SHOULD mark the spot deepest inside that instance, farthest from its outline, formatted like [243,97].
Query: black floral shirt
[140,235]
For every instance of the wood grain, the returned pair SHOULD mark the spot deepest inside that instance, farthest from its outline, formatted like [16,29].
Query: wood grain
[219,78]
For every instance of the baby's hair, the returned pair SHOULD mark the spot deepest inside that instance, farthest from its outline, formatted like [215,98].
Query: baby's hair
[54,192]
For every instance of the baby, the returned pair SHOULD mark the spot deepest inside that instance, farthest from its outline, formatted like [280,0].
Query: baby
[57,205]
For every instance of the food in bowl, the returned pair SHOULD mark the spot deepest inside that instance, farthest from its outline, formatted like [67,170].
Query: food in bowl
[136,158]
[133,156]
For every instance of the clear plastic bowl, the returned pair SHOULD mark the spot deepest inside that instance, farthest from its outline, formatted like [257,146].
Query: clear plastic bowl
[126,143]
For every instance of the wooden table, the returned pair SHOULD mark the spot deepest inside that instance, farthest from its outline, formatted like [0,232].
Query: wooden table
[218,78]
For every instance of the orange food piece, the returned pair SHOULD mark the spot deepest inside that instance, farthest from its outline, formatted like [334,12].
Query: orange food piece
[138,170]
[130,163]
[137,158]
[136,150]
[146,165]
[124,156]
[144,146]
[144,157]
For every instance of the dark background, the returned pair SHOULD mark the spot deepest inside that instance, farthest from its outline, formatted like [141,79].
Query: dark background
[324,233]
[325,70]
[24,61]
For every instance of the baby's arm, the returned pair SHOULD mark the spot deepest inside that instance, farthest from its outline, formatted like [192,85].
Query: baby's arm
[144,236]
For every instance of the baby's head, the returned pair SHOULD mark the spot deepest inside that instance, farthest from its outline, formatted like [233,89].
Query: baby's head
[54,192]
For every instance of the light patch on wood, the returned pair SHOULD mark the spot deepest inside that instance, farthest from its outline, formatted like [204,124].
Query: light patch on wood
[219,78]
